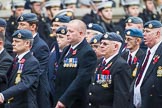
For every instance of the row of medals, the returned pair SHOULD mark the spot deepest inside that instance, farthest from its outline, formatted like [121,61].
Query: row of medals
[103,80]
[70,62]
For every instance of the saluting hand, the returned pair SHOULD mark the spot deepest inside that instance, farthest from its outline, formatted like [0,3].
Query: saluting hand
[60,105]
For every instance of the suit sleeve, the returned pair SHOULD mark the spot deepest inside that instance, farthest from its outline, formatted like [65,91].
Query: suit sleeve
[29,76]
[43,57]
[4,67]
[80,84]
[122,82]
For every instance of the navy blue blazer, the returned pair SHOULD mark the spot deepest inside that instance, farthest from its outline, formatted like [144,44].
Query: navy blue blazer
[151,89]
[23,94]
[41,51]
[72,82]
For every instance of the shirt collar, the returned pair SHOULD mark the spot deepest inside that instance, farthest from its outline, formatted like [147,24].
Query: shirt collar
[73,47]
[111,57]
[21,55]
[1,50]
[154,48]
[133,53]
[35,35]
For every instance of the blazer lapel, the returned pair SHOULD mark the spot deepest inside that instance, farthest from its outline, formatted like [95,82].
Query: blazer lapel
[152,64]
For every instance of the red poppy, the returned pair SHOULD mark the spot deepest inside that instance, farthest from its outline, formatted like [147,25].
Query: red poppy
[74,52]
[105,72]
[135,60]
[22,61]
[156,58]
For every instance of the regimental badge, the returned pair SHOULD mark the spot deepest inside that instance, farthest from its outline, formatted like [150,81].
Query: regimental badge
[128,32]
[95,41]
[19,35]
[69,14]
[159,71]
[150,26]
[117,32]
[90,25]
[57,19]
[154,16]
[63,31]
[106,36]
[21,18]
[130,20]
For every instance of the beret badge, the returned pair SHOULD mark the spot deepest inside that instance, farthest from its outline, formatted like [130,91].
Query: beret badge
[69,14]
[129,20]
[62,31]
[57,19]
[106,36]
[21,18]
[95,41]
[19,35]
[128,32]
[150,26]
[90,25]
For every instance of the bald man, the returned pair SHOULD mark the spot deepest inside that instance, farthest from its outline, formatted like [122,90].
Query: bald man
[76,65]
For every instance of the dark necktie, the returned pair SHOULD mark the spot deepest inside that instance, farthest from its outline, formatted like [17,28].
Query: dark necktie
[143,68]
[13,67]
[130,59]
[70,51]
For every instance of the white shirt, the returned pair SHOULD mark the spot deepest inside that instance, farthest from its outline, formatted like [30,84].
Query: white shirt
[108,59]
[1,50]
[21,55]
[132,54]
[137,93]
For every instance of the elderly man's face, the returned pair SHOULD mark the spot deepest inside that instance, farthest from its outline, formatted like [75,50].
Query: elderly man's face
[150,36]
[2,30]
[131,42]
[107,47]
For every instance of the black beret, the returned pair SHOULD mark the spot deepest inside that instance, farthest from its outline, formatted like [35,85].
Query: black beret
[112,36]
[153,24]
[134,32]
[96,39]
[95,27]
[135,20]
[28,17]
[61,18]
[3,23]
[23,34]
[62,30]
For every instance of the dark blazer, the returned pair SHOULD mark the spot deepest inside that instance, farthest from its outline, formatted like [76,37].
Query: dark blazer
[72,82]
[151,89]
[41,51]
[5,64]
[139,56]
[23,94]
[116,95]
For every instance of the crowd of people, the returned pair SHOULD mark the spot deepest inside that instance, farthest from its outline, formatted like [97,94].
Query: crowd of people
[59,61]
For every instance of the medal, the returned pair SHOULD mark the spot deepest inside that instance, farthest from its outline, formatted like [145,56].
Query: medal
[159,71]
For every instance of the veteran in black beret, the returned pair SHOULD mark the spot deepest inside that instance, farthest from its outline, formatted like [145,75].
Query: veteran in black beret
[95,44]
[23,76]
[93,29]
[54,58]
[112,78]
[146,89]
[134,55]
[41,51]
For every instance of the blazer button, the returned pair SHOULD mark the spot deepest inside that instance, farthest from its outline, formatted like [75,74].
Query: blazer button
[151,95]
[93,83]
[90,93]
[90,104]
[153,86]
